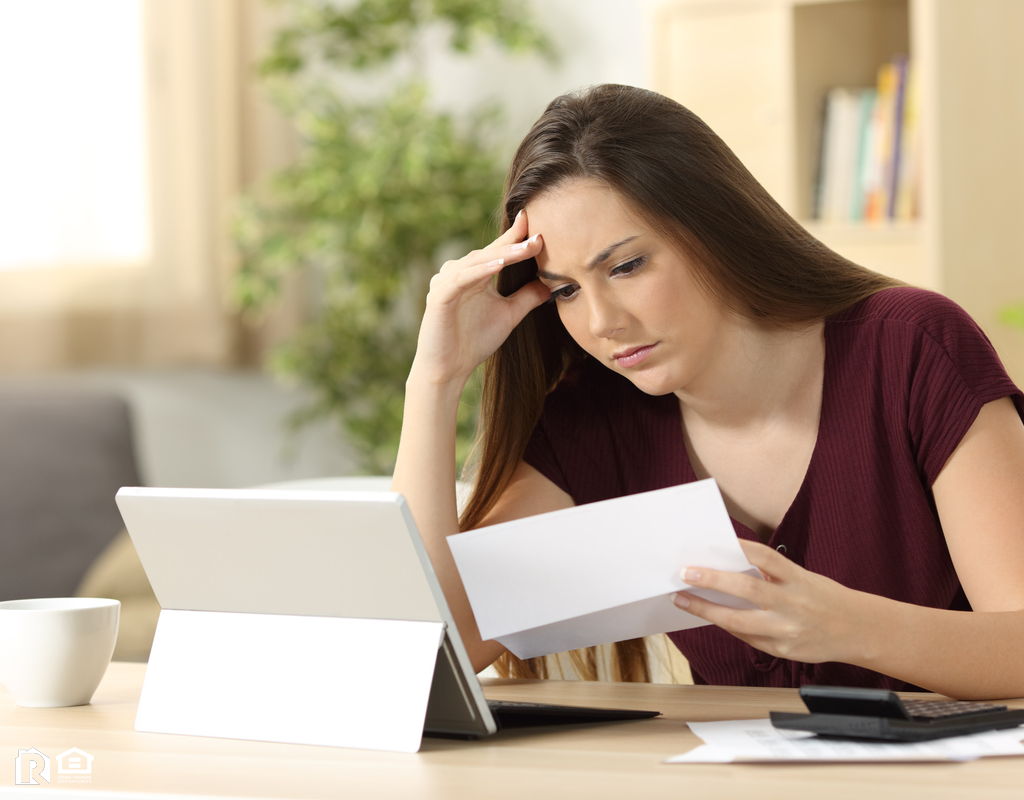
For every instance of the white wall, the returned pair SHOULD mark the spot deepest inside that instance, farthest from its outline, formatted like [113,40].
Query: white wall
[599,41]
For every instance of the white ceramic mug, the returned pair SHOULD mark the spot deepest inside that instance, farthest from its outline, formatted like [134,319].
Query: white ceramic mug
[55,650]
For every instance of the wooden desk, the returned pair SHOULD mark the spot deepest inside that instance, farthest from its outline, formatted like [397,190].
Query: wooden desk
[621,760]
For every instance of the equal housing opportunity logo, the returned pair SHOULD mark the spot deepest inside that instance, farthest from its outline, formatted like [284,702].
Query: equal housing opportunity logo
[73,766]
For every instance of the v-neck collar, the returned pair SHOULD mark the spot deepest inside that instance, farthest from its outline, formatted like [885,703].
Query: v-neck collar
[688,475]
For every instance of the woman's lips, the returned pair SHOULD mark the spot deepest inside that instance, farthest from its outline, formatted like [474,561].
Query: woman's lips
[632,357]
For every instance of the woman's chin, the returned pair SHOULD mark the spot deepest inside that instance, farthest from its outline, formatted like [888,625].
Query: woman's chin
[651,382]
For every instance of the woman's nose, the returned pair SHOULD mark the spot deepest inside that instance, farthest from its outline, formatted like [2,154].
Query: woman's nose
[605,317]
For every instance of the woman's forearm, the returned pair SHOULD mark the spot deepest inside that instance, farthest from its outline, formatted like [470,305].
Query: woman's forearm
[425,476]
[464,322]
[803,616]
[969,655]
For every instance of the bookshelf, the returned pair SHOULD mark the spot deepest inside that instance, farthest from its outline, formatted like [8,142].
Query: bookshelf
[758,72]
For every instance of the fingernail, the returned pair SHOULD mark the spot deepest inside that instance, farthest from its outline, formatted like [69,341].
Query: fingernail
[691,575]
[517,217]
[496,263]
[681,600]
[533,238]
[520,245]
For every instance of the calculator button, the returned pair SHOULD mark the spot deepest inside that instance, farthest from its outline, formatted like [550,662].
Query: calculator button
[927,710]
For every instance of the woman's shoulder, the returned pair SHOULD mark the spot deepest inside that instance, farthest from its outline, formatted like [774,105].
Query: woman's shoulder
[906,311]
[923,341]
[901,303]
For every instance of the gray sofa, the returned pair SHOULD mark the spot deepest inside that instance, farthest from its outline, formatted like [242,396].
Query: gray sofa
[63,455]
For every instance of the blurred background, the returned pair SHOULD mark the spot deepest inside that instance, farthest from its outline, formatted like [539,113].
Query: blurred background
[133,129]
[223,214]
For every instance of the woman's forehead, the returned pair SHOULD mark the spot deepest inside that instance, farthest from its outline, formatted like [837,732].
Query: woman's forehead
[579,221]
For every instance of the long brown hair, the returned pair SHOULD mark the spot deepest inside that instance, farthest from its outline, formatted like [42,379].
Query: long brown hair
[686,183]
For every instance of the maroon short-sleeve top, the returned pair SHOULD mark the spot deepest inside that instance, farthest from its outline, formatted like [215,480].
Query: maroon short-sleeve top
[906,373]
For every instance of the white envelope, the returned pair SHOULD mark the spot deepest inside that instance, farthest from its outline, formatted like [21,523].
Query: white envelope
[597,573]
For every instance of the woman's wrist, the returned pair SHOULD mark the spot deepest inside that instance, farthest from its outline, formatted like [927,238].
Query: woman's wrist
[880,633]
[432,403]
[423,381]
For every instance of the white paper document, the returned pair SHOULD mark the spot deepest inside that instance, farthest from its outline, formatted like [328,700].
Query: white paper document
[597,573]
[756,741]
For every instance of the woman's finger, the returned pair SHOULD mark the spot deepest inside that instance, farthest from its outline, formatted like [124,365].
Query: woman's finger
[495,255]
[493,259]
[736,584]
[448,289]
[473,273]
[527,298]
[516,231]
[767,559]
[462,276]
[747,621]
[477,274]
[520,251]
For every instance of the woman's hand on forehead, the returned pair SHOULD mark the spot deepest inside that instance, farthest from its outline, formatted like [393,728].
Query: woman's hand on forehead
[466,319]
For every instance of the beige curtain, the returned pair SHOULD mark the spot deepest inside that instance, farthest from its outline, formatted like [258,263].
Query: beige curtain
[210,135]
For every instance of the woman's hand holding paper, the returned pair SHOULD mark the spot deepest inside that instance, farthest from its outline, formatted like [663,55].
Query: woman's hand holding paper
[800,616]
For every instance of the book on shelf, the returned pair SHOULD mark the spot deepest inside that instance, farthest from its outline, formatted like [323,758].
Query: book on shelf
[908,195]
[869,162]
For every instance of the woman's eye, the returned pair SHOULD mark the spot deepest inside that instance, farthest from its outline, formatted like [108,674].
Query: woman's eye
[564,293]
[630,266]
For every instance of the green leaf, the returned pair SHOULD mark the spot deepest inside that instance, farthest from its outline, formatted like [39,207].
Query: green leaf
[1013,315]
[380,190]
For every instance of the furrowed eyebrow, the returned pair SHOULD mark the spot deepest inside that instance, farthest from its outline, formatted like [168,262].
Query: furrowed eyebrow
[595,262]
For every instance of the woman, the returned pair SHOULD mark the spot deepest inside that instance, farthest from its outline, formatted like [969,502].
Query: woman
[657,318]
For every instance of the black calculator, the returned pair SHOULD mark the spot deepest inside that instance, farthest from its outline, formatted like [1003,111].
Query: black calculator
[879,714]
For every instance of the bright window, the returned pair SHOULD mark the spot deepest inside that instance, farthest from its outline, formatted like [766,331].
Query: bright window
[74,184]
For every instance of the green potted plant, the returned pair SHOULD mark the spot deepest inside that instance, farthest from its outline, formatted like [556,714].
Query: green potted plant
[382,189]
[1013,315]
